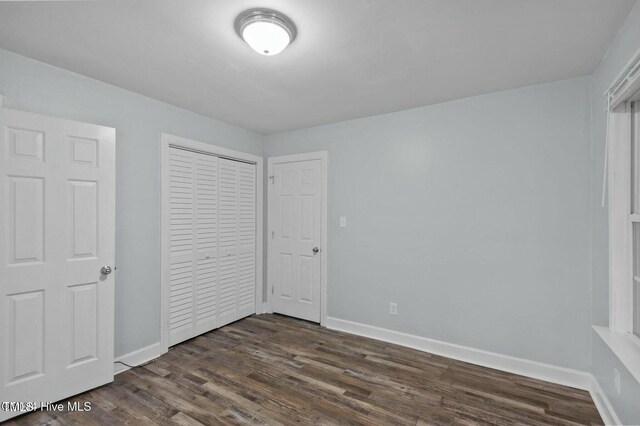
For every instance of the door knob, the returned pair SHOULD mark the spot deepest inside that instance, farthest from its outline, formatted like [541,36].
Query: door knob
[105,270]
[316,250]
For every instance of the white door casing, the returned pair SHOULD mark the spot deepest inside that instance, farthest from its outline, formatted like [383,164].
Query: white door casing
[57,230]
[211,229]
[297,235]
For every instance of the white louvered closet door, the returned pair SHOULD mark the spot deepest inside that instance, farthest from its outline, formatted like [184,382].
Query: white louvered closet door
[237,253]
[212,222]
[246,239]
[181,245]
[206,243]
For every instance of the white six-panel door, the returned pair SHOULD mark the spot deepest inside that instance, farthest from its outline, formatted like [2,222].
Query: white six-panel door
[295,245]
[57,230]
[212,242]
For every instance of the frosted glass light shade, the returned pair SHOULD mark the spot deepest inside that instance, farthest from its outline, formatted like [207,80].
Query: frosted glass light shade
[266,31]
[266,38]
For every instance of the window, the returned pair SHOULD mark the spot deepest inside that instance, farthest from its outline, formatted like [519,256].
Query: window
[622,175]
[624,217]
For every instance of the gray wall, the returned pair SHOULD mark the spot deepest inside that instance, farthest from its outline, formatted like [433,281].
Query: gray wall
[627,404]
[472,215]
[33,86]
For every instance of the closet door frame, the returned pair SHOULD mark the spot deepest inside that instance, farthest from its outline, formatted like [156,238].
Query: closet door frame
[167,141]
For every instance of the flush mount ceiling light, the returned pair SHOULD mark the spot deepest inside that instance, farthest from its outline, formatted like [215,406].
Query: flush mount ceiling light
[266,31]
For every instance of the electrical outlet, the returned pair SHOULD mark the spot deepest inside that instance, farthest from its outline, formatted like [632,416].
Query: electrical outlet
[616,380]
[393,308]
[343,221]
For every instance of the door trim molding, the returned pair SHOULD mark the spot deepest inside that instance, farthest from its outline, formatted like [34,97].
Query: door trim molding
[323,156]
[167,140]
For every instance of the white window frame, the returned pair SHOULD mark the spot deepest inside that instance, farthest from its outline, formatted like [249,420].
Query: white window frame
[621,221]
[618,336]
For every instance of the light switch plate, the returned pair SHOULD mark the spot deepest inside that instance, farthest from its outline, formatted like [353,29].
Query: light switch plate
[343,221]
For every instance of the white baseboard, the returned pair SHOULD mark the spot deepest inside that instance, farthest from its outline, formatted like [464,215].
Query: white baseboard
[137,357]
[608,414]
[537,370]
[524,367]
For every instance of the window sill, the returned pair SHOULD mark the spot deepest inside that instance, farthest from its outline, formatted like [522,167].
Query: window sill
[627,351]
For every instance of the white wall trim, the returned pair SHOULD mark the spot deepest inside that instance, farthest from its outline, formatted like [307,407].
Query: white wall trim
[524,367]
[608,414]
[323,156]
[137,357]
[167,140]
[537,370]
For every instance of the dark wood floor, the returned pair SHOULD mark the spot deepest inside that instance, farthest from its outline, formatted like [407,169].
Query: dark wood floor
[271,369]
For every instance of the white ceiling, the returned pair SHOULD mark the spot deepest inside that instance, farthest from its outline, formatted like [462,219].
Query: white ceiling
[352,58]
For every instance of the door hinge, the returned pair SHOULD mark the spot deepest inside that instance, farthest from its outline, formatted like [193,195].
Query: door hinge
[273,179]
[271,289]
[273,235]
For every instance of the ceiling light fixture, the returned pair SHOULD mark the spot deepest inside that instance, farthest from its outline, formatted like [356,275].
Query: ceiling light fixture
[266,31]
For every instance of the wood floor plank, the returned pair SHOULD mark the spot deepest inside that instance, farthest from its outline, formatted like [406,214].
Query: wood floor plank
[276,370]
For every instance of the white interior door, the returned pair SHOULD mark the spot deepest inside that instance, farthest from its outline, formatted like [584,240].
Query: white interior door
[295,252]
[57,230]
[212,242]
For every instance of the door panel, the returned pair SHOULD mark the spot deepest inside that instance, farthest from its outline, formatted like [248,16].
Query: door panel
[57,229]
[83,318]
[84,151]
[25,208]
[228,291]
[246,239]
[83,218]
[285,276]
[206,241]
[26,331]
[297,225]
[306,278]
[237,240]
[25,144]
[182,231]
